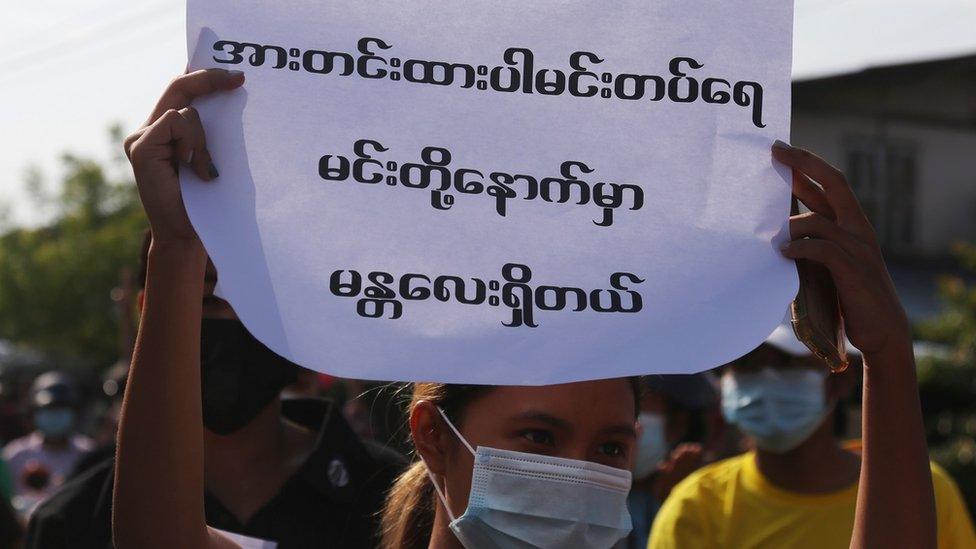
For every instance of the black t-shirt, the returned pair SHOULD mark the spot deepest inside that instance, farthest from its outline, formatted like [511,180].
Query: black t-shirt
[333,500]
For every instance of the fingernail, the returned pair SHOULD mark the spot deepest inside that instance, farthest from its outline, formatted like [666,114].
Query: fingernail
[236,74]
[212,170]
[781,145]
[189,157]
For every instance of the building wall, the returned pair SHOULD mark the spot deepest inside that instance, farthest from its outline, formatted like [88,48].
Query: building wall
[945,166]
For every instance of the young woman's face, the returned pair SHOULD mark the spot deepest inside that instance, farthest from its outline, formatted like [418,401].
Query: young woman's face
[591,421]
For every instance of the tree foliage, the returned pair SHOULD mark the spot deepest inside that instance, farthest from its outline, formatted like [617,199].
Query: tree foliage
[56,280]
[948,383]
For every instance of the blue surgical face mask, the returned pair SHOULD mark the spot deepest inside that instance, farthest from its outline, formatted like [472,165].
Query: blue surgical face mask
[54,422]
[652,446]
[521,501]
[778,408]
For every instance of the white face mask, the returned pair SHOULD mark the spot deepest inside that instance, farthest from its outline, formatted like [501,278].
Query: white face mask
[54,422]
[778,408]
[520,500]
[652,447]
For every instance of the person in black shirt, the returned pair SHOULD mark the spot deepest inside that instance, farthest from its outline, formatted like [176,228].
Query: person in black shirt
[206,449]
[330,501]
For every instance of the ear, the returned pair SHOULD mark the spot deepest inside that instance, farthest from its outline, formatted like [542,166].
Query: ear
[430,435]
[140,300]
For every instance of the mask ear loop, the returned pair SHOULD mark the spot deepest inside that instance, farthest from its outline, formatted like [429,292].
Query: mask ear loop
[437,488]
[456,432]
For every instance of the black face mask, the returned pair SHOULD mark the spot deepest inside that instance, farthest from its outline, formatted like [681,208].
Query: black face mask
[239,376]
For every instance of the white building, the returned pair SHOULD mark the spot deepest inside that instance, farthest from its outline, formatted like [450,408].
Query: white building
[905,135]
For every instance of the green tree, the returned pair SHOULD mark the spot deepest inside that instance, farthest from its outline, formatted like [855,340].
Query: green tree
[948,381]
[56,281]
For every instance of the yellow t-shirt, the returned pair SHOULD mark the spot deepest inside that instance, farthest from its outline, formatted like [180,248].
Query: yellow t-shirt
[729,504]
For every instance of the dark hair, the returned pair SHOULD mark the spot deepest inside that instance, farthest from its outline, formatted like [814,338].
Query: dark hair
[408,515]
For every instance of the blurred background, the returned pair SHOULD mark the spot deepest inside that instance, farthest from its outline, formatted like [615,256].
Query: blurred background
[884,89]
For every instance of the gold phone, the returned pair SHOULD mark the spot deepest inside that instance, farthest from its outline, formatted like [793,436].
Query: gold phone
[816,315]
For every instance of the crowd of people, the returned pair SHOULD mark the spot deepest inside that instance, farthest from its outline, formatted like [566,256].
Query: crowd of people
[758,453]
[223,443]
[761,452]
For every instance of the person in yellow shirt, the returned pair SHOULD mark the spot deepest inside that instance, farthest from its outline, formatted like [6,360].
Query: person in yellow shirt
[798,487]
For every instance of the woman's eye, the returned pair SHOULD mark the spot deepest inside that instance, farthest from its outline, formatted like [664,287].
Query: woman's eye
[538,436]
[613,449]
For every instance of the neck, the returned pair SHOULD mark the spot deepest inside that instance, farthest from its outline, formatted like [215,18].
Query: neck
[260,442]
[818,465]
[54,443]
[245,469]
[441,536]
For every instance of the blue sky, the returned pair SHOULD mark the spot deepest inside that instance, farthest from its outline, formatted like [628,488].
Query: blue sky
[71,68]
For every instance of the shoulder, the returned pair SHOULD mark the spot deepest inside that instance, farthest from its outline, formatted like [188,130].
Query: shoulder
[384,456]
[370,463]
[698,490]
[955,527]
[711,478]
[79,493]
[79,512]
[82,443]
[384,466]
[948,498]
[17,446]
[683,518]
[941,481]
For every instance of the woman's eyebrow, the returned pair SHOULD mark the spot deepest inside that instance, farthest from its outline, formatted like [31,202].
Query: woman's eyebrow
[625,429]
[543,417]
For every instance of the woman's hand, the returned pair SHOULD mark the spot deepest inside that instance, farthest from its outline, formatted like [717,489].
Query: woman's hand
[895,461]
[683,461]
[837,234]
[159,479]
[172,136]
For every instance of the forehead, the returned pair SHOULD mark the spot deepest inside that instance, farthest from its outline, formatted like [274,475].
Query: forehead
[583,403]
[766,356]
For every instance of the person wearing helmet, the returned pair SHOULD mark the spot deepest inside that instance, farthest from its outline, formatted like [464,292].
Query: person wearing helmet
[40,461]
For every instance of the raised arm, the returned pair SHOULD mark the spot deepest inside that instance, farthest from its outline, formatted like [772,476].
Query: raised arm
[158,497]
[895,501]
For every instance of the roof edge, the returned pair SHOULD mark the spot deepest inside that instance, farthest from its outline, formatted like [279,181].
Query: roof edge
[875,69]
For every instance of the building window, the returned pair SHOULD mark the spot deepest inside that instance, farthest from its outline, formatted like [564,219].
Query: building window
[882,174]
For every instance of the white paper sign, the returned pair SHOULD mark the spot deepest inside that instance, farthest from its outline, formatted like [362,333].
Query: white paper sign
[246,542]
[499,192]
